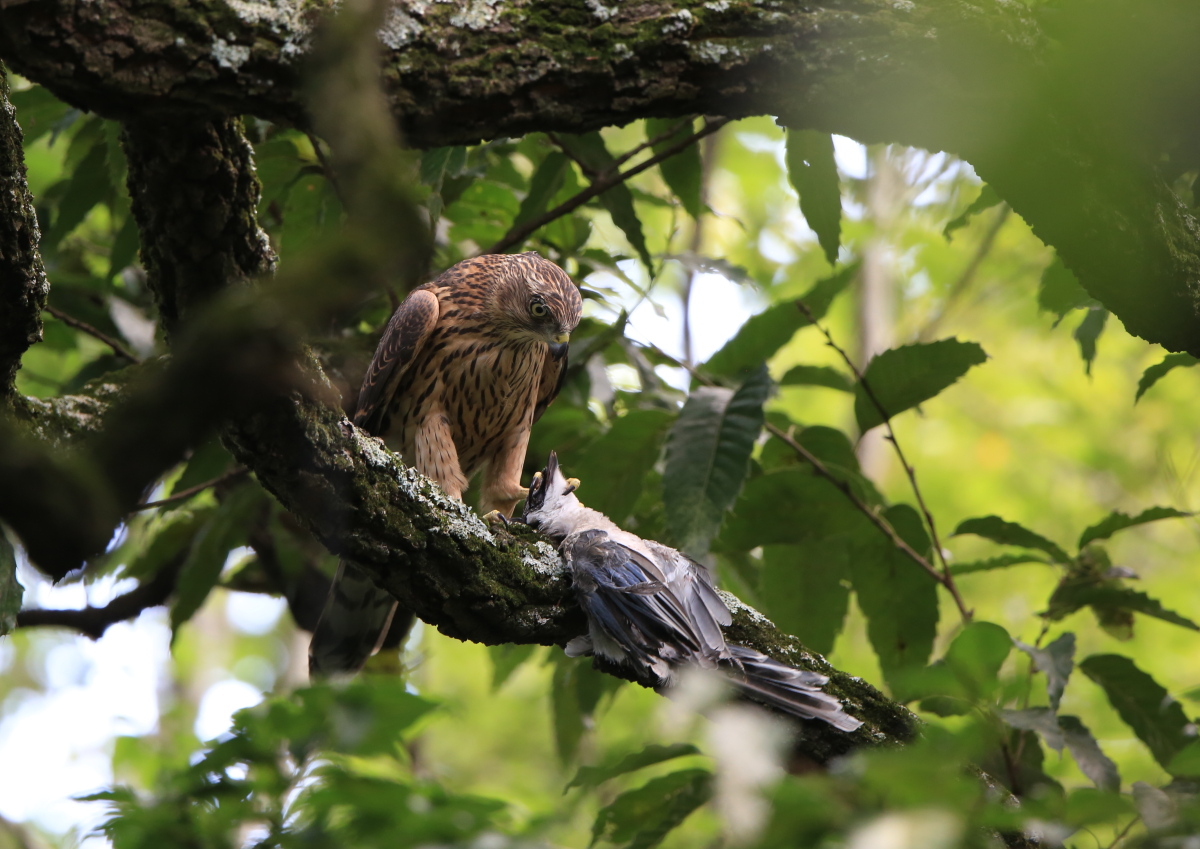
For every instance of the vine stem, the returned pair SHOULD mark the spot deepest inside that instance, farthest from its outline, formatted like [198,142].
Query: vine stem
[602,183]
[946,579]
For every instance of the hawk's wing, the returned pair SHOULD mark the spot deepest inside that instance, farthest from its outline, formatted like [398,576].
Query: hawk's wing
[554,375]
[402,340]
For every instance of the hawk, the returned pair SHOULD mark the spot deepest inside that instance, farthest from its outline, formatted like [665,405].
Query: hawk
[654,610]
[466,365]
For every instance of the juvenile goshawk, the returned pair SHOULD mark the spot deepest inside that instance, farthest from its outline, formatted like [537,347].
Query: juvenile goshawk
[467,364]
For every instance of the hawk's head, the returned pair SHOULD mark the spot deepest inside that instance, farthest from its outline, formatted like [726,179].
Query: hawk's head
[535,300]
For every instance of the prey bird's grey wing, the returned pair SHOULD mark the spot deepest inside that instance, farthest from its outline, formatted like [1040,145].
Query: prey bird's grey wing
[403,338]
[794,691]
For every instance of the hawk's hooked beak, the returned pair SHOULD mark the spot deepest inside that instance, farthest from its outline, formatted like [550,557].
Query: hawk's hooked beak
[558,348]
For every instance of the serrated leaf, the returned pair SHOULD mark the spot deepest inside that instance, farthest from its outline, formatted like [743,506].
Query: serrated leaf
[225,530]
[589,148]
[1186,763]
[1010,533]
[1056,661]
[812,170]
[89,185]
[1059,291]
[764,334]
[1156,808]
[1001,562]
[594,776]
[11,591]
[1088,332]
[1158,371]
[1041,720]
[681,172]
[1156,718]
[38,111]
[545,183]
[708,455]
[788,506]
[1118,521]
[642,817]
[1087,754]
[804,589]
[1101,597]
[433,166]
[825,376]
[902,378]
[506,659]
[896,595]
[967,675]
[986,200]
[164,538]
[635,439]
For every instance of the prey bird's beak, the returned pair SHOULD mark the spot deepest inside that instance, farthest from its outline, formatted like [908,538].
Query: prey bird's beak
[558,348]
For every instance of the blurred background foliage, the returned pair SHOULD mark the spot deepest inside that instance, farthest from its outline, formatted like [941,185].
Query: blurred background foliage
[1074,683]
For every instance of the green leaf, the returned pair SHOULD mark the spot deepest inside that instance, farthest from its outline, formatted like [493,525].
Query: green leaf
[681,172]
[618,200]
[224,531]
[968,674]
[594,776]
[577,689]
[165,538]
[764,334]
[896,595]
[124,248]
[209,461]
[1187,762]
[788,506]
[1087,754]
[902,378]
[506,659]
[1041,720]
[986,200]
[1010,533]
[89,185]
[804,589]
[38,111]
[825,376]
[1118,521]
[1108,596]
[11,591]
[543,186]
[1158,371]
[1059,291]
[1056,660]
[708,455]
[1001,562]
[614,467]
[813,172]
[1088,332]
[641,818]
[1143,705]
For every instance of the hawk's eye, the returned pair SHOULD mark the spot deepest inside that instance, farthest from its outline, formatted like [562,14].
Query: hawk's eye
[538,308]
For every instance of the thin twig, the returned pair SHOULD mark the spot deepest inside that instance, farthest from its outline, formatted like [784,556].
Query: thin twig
[968,273]
[1125,831]
[326,167]
[185,494]
[948,579]
[603,183]
[118,349]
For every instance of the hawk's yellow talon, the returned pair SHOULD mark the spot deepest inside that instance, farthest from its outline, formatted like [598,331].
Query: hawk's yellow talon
[573,483]
[495,515]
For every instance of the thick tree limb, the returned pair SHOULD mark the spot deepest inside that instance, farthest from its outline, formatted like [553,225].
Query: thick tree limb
[979,79]
[23,286]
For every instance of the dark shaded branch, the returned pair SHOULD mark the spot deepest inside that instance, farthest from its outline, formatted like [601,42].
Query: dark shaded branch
[23,286]
[117,348]
[94,621]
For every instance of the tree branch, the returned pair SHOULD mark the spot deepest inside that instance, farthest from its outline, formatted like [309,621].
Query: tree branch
[117,348]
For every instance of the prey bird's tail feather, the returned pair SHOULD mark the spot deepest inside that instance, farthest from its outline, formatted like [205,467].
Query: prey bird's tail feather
[353,624]
[794,691]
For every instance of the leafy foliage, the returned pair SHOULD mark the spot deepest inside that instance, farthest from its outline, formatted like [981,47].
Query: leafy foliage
[904,377]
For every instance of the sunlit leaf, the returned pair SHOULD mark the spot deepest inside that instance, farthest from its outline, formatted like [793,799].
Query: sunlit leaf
[902,378]
[1145,707]
[1003,561]
[641,818]
[1010,533]
[986,200]
[969,672]
[896,595]
[1092,762]
[1056,660]
[813,172]
[681,172]
[1118,521]
[708,454]
[89,185]
[593,776]
[825,376]
[1158,371]
[805,589]
[38,111]
[506,659]
[1187,762]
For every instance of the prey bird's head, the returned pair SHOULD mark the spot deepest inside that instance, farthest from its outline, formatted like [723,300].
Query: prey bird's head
[551,505]
[534,300]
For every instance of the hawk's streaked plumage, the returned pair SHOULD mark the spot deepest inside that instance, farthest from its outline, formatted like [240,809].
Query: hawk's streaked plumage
[466,365]
[655,610]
